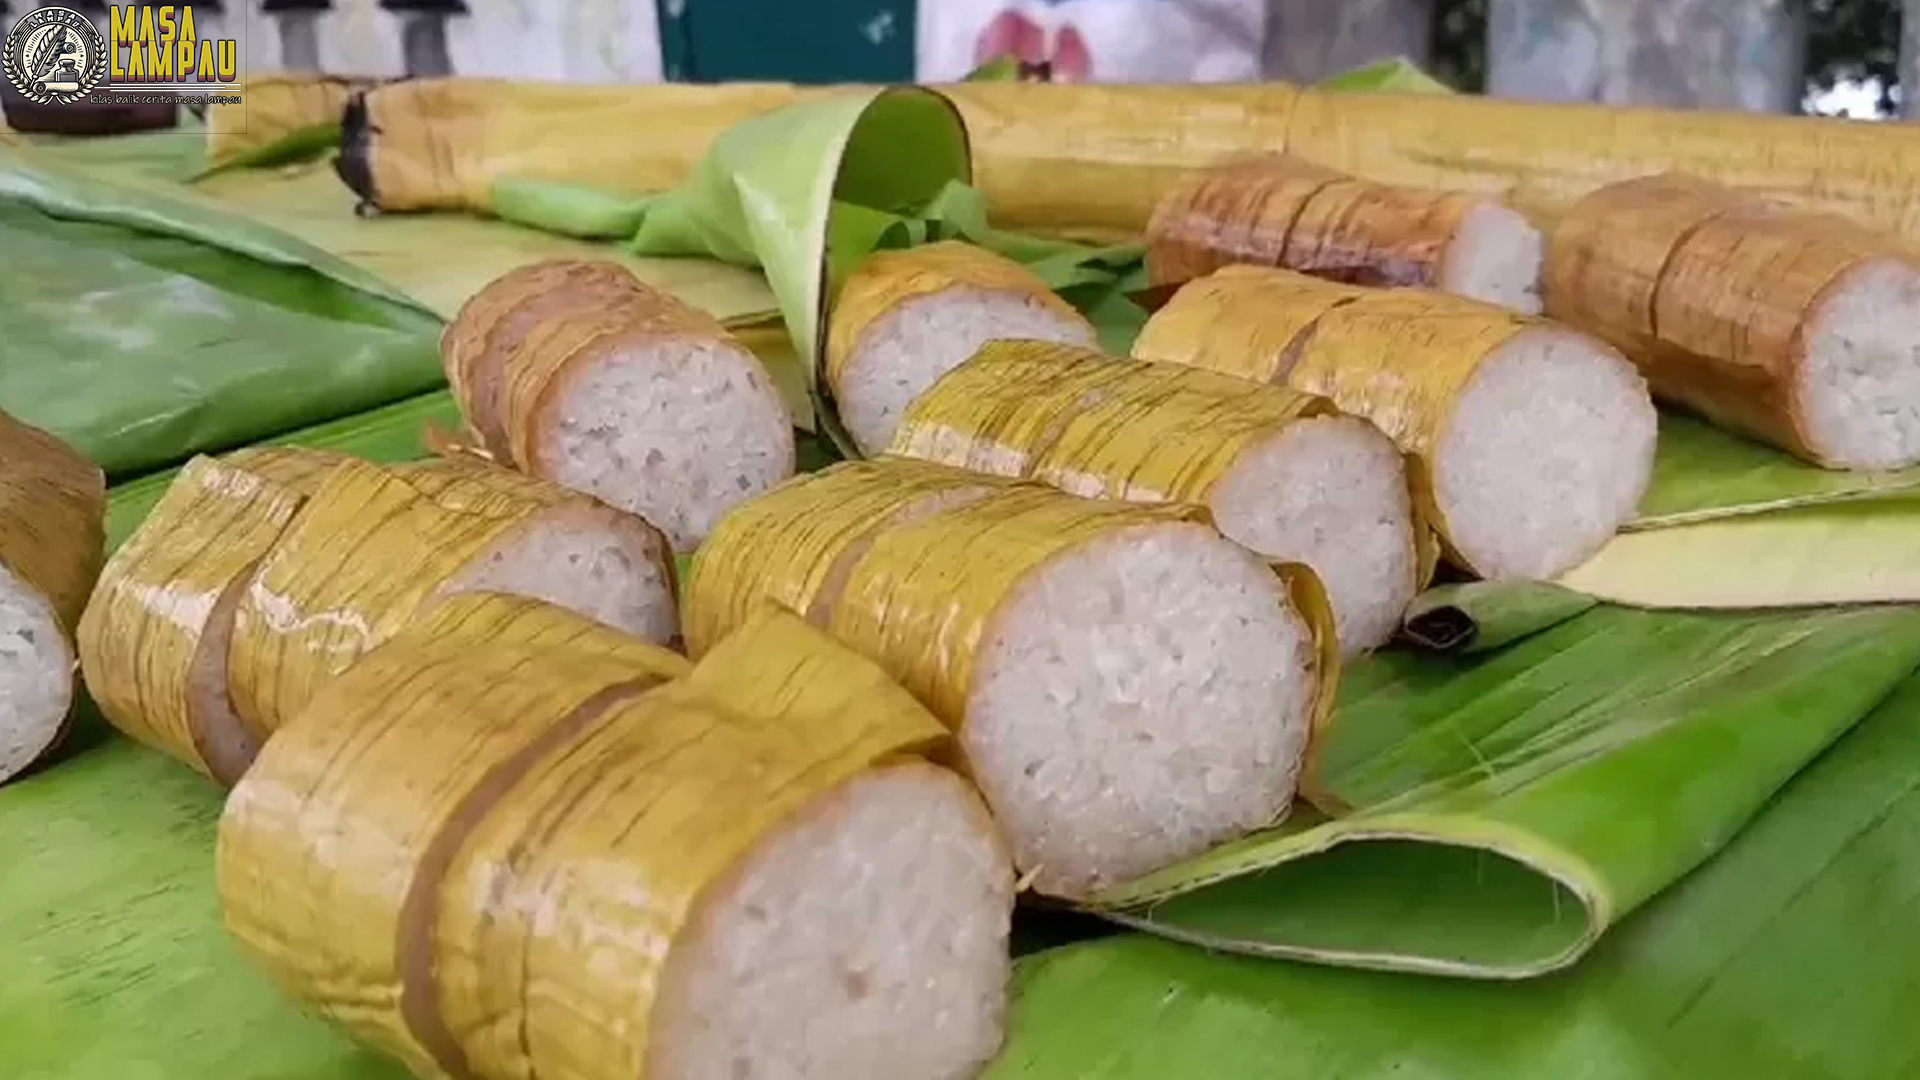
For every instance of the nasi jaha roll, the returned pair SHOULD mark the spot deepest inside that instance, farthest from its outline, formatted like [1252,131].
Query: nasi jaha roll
[1283,211]
[1799,329]
[1531,443]
[579,373]
[905,318]
[512,843]
[1284,473]
[1129,688]
[158,640]
[52,536]
[374,547]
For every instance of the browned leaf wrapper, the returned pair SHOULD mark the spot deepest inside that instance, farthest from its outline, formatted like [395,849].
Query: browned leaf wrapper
[368,553]
[275,107]
[545,813]
[52,543]
[154,641]
[515,343]
[1093,161]
[1283,211]
[1711,291]
[1398,357]
[908,562]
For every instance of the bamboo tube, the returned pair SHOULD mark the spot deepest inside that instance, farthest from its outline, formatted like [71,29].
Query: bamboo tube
[1277,210]
[1282,472]
[1093,161]
[913,564]
[905,318]
[579,373]
[1530,444]
[154,640]
[1795,328]
[372,550]
[574,894]
[52,536]
[276,107]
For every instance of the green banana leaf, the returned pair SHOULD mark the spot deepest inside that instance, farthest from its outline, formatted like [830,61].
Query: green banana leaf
[1481,616]
[1788,957]
[1703,474]
[1506,808]
[142,343]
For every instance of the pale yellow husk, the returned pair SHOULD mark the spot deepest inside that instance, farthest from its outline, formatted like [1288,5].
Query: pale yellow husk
[272,107]
[169,592]
[1398,357]
[527,776]
[1094,160]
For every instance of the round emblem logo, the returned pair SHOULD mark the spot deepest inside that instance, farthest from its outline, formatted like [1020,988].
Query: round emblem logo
[54,56]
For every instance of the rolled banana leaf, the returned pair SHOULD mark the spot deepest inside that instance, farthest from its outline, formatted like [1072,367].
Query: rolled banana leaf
[1790,956]
[1090,161]
[1505,809]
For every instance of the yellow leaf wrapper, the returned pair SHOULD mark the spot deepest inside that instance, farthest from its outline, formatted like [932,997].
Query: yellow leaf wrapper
[1719,297]
[367,554]
[154,642]
[921,568]
[552,815]
[1397,357]
[1103,428]
[52,542]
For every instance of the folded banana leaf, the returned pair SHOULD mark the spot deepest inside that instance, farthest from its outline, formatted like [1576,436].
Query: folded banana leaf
[1505,809]
[143,330]
[1788,957]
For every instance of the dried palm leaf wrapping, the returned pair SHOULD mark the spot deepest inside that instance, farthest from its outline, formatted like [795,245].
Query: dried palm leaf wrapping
[277,107]
[1799,329]
[1282,211]
[154,641]
[439,144]
[579,373]
[52,535]
[375,547]
[1531,443]
[1282,472]
[587,871]
[1129,688]
[905,318]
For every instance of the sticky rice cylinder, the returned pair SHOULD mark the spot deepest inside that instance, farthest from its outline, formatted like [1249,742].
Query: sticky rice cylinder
[583,375]
[1282,211]
[52,535]
[905,318]
[528,780]
[1129,688]
[1531,443]
[154,640]
[375,547]
[1801,330]
[1282,472]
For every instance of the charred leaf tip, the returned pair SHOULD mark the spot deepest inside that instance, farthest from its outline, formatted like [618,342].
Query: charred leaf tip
[1442,629]
[352,164]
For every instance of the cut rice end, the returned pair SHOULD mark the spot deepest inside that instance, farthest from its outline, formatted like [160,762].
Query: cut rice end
[863,939]
[908,349]
[678,432]
[1547,453]
[36,676]
[1496,257]
[1330,492]
[1858,385]
[609,571]
[225,745]
[1139,699]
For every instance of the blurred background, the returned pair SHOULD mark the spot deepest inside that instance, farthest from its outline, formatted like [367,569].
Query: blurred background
[1826,56]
